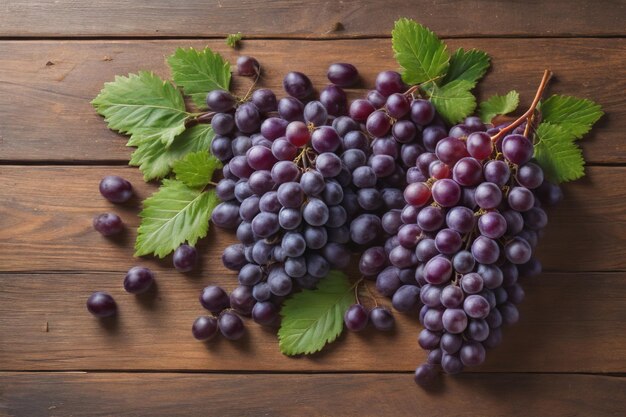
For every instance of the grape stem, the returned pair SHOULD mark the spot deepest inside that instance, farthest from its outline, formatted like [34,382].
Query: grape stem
[200,118]
[547,74]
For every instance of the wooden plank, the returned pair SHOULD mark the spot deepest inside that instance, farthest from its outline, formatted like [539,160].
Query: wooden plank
[45,326]
[313,18]
[121,394]
[46,212]
[46,86]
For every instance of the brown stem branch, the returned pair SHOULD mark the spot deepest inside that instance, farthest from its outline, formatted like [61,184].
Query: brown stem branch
[547,74]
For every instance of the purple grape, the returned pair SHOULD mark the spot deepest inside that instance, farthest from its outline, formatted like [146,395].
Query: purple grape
[382,318]
[138,280]
[230,325]
[356,318]
[101,304]
[108,224]
[342,74]
[204,328]
[389,82]
[297,85]
[248,66]
[185,258]
[116,189]
[265,100]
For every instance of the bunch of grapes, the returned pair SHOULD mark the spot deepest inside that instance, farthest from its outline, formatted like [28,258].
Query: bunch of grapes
[468,232]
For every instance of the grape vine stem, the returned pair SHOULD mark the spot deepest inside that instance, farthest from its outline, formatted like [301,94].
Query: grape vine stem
[547,74]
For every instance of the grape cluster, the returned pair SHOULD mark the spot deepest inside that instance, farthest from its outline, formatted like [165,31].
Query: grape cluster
[473,217]
[284,188]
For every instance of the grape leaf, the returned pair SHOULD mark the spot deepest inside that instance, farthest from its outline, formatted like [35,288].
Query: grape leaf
[173,215]
[142,103]
[467,65]
[196,169]
[498,105]
[155,159]
[454,101]
[233,39]
[575,115]
[199,72]
[422,56]
[557,153]
[313,318]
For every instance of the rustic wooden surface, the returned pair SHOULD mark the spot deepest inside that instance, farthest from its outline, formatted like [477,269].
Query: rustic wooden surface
[566,357]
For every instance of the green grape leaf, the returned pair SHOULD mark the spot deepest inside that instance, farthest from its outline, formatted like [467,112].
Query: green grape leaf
[173,215]
[467,65]
[557,153]
[422,56]
[313,318]
[233,39]
[199,72]
[575,115]
[155,160]
[142,103]
[196,169]
[454,101]
[498,105]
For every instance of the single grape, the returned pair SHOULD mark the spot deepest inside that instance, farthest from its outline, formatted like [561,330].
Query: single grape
[517,149]
[488,195]
[479,145]
[425,374]
[214,299]
[342,74]
[397,105]
[382,318]
[247,118]
[378,123]
[241,300]
[472,354]
[116,189]
[265,313]
[291,109]
[298,85]
[101,304]
[389,82]
[476,306]
[108,224]
[454,320]
[428,340]
[497,172]
[446,192]
[334,100]
[138,280]
[356,317]
[204,328]
[422,112]
[451,296]
[248,66]
[315,113]
[492,225]
[220,101]
[233,257]
[230,325]
[185,258]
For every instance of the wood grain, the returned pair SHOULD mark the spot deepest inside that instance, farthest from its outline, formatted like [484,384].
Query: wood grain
[46,213]
[136,395]
[312,18]
[46,86]
[45,326]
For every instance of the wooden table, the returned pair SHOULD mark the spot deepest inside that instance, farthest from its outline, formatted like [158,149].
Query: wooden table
[566,357]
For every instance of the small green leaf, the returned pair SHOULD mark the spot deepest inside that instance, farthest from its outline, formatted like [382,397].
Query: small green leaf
[173,215]
[140,103]
[422,56]
[313,318]
[199,72]
[497,105]
[454,101]
[155,160]
[196,169]
[557,153]
[575,115]
[467,65]
[233,39]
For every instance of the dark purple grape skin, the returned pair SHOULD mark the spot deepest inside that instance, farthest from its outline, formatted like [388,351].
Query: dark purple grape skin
[214,299]
[265,100]
[297,85]
[389,82]
[248,66]
[241,300]
[185,258]
[382,318]
[101,304]
[108,224]
[342,74]
[425,375]
[356,318]
[204,328]
[231,326]
[220,100]
[138,280]
[265,313]
[116,189]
